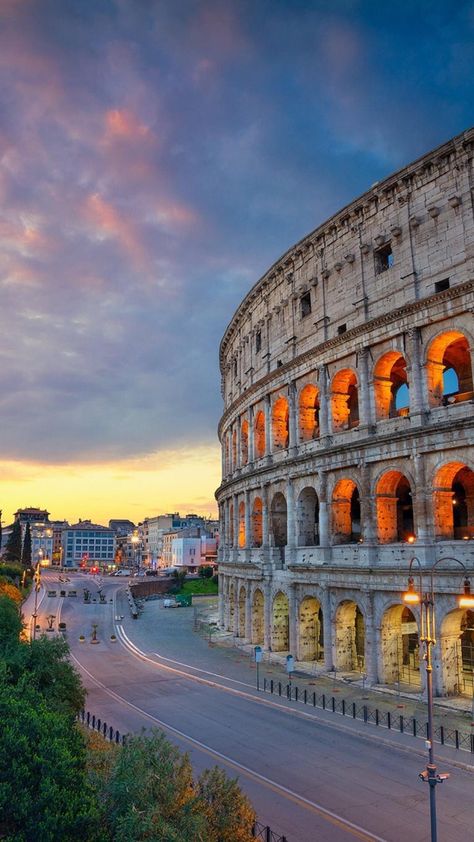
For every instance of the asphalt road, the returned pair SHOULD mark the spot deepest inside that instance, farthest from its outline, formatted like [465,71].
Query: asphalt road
[310,776]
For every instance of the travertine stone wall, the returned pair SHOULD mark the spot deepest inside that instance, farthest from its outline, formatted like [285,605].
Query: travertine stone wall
[347,432]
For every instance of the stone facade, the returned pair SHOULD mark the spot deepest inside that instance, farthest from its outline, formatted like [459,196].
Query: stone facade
[347,433]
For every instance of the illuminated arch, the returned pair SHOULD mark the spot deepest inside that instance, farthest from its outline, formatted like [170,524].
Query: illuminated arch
[280,623]
[309,413]
[307,518]
[259,434]
[391,386]
[244,442]
[344,400]
[394,508]
[449,369]
[345,512]
[257,522]
[280,424]
[453,502]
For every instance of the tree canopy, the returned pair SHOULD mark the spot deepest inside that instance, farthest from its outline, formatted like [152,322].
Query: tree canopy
[14,543]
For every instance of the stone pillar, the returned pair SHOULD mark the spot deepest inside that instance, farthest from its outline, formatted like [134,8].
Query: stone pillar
[424,529]
[367,513]
[251,435]
[324,402]
[223,464]
[248,540]
[416,379]
[323,512]
[293,620]
[265,518]
[248,613]
[235,630]
[327,630]
[267,633]
[238,464]
[268,427]
[235,543]
[293,443]
[370,641]
[290,515]
[365,413]
[222,592]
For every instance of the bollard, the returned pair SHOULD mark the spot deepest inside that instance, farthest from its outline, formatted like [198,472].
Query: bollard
[104,729]
[333,703]
[376,716]
[324,701]
[93,722]
[314,700]
[389,720]
[401,723]
[366,714]
[441,734]
[111,733]
[88,717]
[414,726]
[354,710]
[343,707]
[117,737]
[305,696]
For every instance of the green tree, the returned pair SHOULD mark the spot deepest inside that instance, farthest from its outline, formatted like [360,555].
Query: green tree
[26,552]
[151,794]
[10,626]
[13,545]
[45,794]
[229,813]
[206,572]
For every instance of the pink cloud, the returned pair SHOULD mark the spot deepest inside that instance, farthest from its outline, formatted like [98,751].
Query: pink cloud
[122,124]
[111,223]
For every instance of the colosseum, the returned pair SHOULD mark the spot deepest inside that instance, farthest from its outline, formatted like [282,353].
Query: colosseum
[347,435]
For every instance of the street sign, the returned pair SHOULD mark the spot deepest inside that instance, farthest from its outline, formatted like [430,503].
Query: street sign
[289,664]
[258,654]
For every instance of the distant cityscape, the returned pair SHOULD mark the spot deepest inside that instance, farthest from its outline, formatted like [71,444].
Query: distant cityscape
[160,542]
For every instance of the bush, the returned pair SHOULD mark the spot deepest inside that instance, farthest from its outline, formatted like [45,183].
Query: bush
[11,570]
[206,572]
[215,578]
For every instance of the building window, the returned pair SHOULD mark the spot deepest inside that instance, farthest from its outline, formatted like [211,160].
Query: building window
[440,286]
[258,341]
[383,259]
[341,329]
[305,304]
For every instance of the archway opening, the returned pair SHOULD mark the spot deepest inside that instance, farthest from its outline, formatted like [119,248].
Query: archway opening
[280,623]
[345,513]
[257,522]
[307,518]
[231,524]
[391,386]
[242,595]
[234,450]
[449,369]
[457,653]
[244,442]
[310,630]
[344,400]
[242,535]
[309,413]
[259,434]
[400,647]
[350,638]
[394,508]
[279,520]
[454,502]
[227,455]
[280,424]
[257,617]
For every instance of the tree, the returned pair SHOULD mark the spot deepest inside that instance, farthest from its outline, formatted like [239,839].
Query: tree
[229,813]
[206,572]
[45,794]
[26,552]
[13,545]
[10,625]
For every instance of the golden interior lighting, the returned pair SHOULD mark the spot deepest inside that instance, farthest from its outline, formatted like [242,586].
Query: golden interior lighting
[410,597]
[411,539]
[467,599]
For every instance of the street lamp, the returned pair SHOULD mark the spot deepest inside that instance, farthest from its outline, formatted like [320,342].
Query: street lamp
[37,580]
[136,560]
[428,638]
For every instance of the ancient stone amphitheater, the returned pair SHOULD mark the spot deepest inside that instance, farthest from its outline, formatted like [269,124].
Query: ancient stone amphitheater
[347,434]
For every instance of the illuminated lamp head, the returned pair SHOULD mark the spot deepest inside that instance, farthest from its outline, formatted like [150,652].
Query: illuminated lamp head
[467,599]
[411,597]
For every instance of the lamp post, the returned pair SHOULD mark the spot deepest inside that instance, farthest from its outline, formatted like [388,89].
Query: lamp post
[425,599]
[136,560]
[37,580]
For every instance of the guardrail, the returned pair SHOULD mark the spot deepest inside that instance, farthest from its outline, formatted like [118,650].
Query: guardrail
[372,716]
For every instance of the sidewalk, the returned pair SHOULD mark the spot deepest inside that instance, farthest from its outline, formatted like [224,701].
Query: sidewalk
[172,634]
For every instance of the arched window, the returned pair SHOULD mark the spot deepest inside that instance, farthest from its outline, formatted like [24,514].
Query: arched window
[391,386]
[346,513]
[257,523]
[259,434]
[280,424]
[242,535]
[344,400]
[309,413]
[307,518]
[244,442]
[394,508]
[453,499]
[448,369]
[234,450]
[279,520]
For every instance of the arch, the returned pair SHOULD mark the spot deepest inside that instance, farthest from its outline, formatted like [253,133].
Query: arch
[242,598]
[344,400]
[231,524]
[279,519]
[227,454]
[449,369]
[258,617]
[453,502]
[457,652]
[280,623]
[307,518]
[259,434]
[280,424]
[391,391]
[242,535]
[244,442]
[310,630]
[257,522]
[345,512]
[349,637]
[234,449]
[400,647]
[308,416]
[394,507]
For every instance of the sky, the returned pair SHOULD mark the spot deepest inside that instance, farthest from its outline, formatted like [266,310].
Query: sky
[156,157]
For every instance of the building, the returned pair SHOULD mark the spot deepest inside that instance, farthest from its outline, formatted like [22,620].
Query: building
[87,544]
[121,526]
[347,433]
[41,531]
[186,552]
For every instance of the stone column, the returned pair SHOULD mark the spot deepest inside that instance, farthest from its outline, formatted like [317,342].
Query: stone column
[248,613]
[248,540]
[293,620]
[365,413]
[327,630]
[267,634]
[293,443]
[265,518]
[235,630]
[268,427]
[251,435]
[290,521]
[416,379]
[223,464]
[424,530]
[324,402]
[235,544]
[367,514]
[222,591]
[323,512]
[370,641]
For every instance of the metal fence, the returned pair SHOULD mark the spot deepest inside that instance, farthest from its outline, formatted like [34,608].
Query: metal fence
[372,716]
[262,831]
